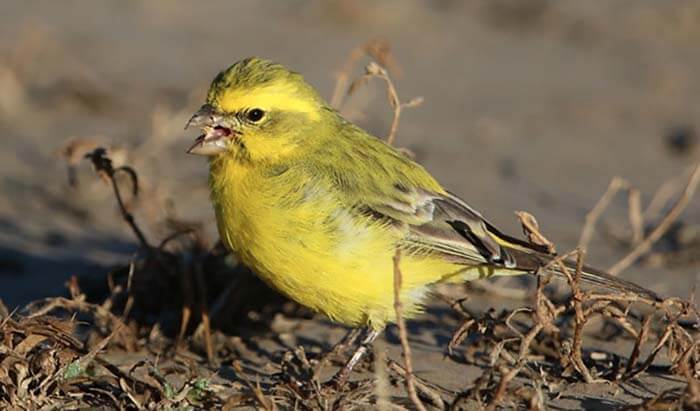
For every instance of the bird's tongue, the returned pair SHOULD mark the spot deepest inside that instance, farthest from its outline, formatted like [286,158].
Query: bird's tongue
[220,131]
[208,143]
[213,134]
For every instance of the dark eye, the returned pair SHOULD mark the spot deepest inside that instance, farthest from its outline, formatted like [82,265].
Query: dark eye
[255,115]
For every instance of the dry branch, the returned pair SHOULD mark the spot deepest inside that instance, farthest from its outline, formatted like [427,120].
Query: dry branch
[423,387]
[103,166]
[406,348]
[532,230]
[373,69]
[663,226]
[262,400]
[377,49]
[592,217]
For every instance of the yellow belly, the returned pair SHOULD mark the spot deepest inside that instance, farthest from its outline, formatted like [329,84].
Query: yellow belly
[320,254]
[350,281]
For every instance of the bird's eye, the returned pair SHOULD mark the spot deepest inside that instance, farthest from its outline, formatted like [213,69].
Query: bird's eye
[255,115]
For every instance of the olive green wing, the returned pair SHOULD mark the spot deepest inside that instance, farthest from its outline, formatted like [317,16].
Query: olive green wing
[376,181]
[371,178]
[444,224]
[453,229]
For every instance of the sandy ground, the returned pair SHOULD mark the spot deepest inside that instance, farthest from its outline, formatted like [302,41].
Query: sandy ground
[528,106]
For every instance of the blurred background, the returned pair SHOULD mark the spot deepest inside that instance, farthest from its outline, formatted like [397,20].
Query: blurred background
[529,105]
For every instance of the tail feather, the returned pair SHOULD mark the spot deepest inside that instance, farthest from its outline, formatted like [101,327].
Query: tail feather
[597,278]
[532,260]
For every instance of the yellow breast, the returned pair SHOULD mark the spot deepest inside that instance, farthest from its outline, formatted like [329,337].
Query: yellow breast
[305,244]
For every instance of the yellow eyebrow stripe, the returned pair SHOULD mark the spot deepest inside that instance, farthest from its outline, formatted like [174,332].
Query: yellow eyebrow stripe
[267,99]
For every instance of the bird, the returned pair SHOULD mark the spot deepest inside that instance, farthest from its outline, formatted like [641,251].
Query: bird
[318,208]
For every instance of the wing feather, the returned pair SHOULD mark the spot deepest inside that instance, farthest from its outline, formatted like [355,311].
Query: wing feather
[369,177]
[460,233]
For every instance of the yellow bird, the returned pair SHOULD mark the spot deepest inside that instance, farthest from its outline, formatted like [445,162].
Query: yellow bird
[317,207]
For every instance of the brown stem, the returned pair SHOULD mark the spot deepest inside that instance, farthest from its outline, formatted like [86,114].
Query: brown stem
[410,387]
[662,227]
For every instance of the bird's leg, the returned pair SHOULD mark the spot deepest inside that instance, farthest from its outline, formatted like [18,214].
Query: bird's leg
[347,341]
[341,377]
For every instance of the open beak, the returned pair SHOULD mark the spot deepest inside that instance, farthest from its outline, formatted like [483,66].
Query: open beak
[215,137]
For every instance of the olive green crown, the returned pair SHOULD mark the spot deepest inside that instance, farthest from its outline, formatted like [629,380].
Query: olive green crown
[255,72]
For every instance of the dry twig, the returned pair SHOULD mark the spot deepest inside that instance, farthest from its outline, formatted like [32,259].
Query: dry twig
[410,387]
[673,214]
[423,387]
[592,217]
[264,402]
[532,230]
[378,49]
[103,166]
[373,69]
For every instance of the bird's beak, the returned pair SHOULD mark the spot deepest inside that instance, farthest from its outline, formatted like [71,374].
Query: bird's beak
[215,137]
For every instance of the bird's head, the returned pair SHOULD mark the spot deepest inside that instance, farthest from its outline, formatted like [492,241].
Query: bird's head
[257,110]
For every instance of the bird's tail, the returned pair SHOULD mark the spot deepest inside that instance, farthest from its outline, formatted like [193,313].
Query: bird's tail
[598,278]
[534,260]
[513,254]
